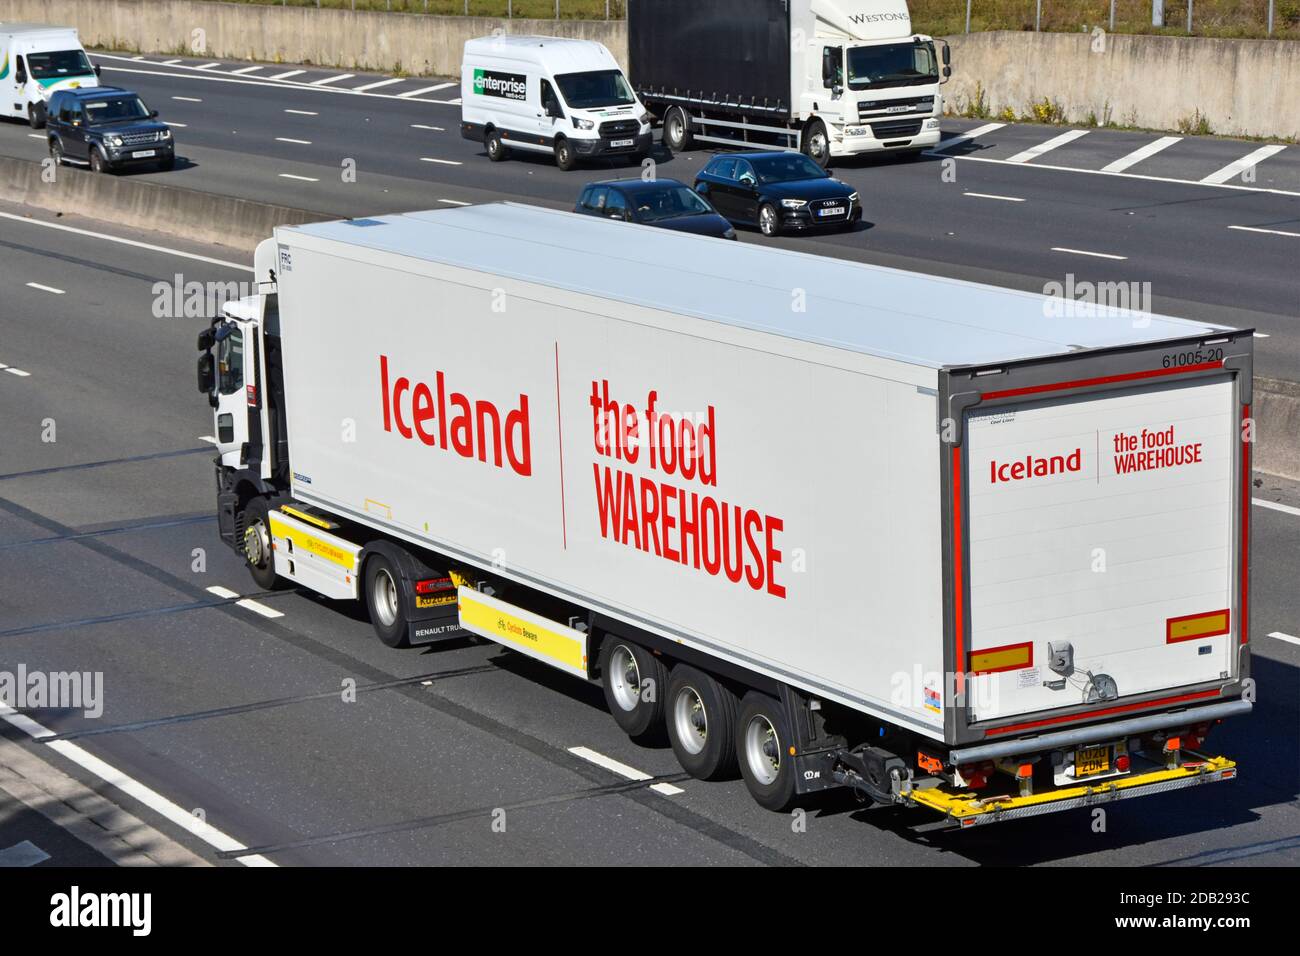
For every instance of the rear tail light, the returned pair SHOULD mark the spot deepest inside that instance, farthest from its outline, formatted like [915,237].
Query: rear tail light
[433,585]
[1122,763]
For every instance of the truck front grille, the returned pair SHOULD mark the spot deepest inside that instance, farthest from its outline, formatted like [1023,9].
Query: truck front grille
[895,129]
[619,128]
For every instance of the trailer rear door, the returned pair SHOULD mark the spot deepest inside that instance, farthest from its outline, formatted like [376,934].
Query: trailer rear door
[1101,525]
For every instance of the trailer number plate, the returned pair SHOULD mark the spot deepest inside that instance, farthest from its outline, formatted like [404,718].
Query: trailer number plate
[1091,761]
[615,144]
[435,600]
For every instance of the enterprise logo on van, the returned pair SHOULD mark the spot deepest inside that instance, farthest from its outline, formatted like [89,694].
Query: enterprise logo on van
[510,86]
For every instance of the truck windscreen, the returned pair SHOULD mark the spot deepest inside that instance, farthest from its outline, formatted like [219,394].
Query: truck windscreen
[893,64]
[57,64]
[585,91]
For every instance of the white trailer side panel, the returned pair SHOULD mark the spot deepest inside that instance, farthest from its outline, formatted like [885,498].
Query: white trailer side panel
[839,466]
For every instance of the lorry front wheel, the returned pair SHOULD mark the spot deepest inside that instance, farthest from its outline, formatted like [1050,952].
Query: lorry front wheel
[816,144]
[496,149]
[255,545]
[565,157]
[384,601]
[677,130]
[763,741]
[36,115]
[701,718]
[635,684]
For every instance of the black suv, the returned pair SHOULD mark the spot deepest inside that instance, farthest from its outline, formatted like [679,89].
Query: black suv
[104,127]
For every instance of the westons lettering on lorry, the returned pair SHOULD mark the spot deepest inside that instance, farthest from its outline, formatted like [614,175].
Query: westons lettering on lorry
[892,542]
[830,77]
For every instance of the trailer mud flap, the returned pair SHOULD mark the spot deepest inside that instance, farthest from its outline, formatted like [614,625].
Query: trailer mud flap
[531,634]
[965,809]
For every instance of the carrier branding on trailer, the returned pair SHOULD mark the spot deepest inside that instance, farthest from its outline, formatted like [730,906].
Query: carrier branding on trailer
[962,558]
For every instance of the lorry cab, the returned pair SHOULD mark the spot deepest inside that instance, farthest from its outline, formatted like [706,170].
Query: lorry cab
[36,61]
[563,97]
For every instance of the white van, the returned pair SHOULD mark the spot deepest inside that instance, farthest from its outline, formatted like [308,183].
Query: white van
[36,61]
[550,95]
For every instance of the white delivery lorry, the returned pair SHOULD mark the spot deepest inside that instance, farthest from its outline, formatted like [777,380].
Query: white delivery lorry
[833,78]
[839,524]
[564,97]
[36,61]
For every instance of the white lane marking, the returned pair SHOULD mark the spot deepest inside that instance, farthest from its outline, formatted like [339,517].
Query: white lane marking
[36,135]
[133,788]
[1233,170]
[623,770]
[221,592]
[164,62]
[1260,335]
[452,102]
[285,75]
[1141,153]
[17,371]
[246,69]
[445,162]
[188,99]
[208,438]
[1267,232]
[453,202]
[967,136]
[1279,636]
[331,79]
[1275,506]
[258,608]
[180,125]
[992,196]
[25,853]
[126,242]
[44,288]
[1034,152]
[300,142]
[305,179]
[427,89]
[303,112]
[1084,252]
[377,84]
[436,129]
[207,66]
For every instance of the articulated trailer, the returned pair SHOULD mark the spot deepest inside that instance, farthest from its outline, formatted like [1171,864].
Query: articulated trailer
[825,524]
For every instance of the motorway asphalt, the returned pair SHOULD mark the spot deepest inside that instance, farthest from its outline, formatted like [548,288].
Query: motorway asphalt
[108,552]
[977,208]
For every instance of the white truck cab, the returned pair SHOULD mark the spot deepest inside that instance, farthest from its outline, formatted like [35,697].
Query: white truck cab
[565,97]
[36,61]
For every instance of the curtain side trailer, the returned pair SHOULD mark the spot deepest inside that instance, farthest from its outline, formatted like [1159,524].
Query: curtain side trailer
[824,524]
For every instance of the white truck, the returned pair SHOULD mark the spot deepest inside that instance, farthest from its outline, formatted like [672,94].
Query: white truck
[830,524]
[832,78]
[36,61]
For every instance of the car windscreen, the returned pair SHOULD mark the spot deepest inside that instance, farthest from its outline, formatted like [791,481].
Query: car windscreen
[57,64]
[114,109]
[786,167]
[666,202]
[585,91]
[892,64]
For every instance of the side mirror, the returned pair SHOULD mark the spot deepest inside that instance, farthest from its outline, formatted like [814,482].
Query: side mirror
[947,54]
[21,77]
[206,338]
[153,114]
[947,72]
[98,70]
[207,376]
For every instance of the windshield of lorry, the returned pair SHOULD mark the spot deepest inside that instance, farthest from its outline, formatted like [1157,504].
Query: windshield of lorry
[786,168]
[585,91]
[57,64]
[115,110]
[894,64]
[667,202]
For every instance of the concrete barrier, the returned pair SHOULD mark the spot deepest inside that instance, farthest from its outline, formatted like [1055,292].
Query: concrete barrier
[138,204]
[1277,419]
[1240,87]
[418,44]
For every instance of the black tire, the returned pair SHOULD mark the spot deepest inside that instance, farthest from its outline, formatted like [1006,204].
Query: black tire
[816,144]
[763,743]
[97,162]
[255,544]
[56,152]
[565,155]
[769,220]
[700,714]
[383,597]
[677,130]
[635,683]
[495,146]
[36,115]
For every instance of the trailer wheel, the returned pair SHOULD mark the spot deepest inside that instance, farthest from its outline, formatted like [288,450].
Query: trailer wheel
[384,601]
[496,149]
[764,742]
[565,157]
[701,719]
[816,144]
[677,130]
[255,544]
[635,684]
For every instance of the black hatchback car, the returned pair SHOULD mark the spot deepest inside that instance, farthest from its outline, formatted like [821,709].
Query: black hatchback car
[105,128]
[777,191]
[666,203]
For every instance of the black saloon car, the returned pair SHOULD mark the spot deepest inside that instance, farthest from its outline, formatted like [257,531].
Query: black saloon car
[665,203]
[105,128]
[777,191]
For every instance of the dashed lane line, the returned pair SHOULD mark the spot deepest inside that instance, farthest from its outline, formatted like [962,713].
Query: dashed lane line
[992,196]
[285,75]
[377,84]
[623,770]
[1235,169]
[1141,153]
[325,80]
[45,288]
[1267,232]
[1279,636]
[304,179]
[423,90]
[966,137]
[1275,506]
[1055,142]
[1085,252]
